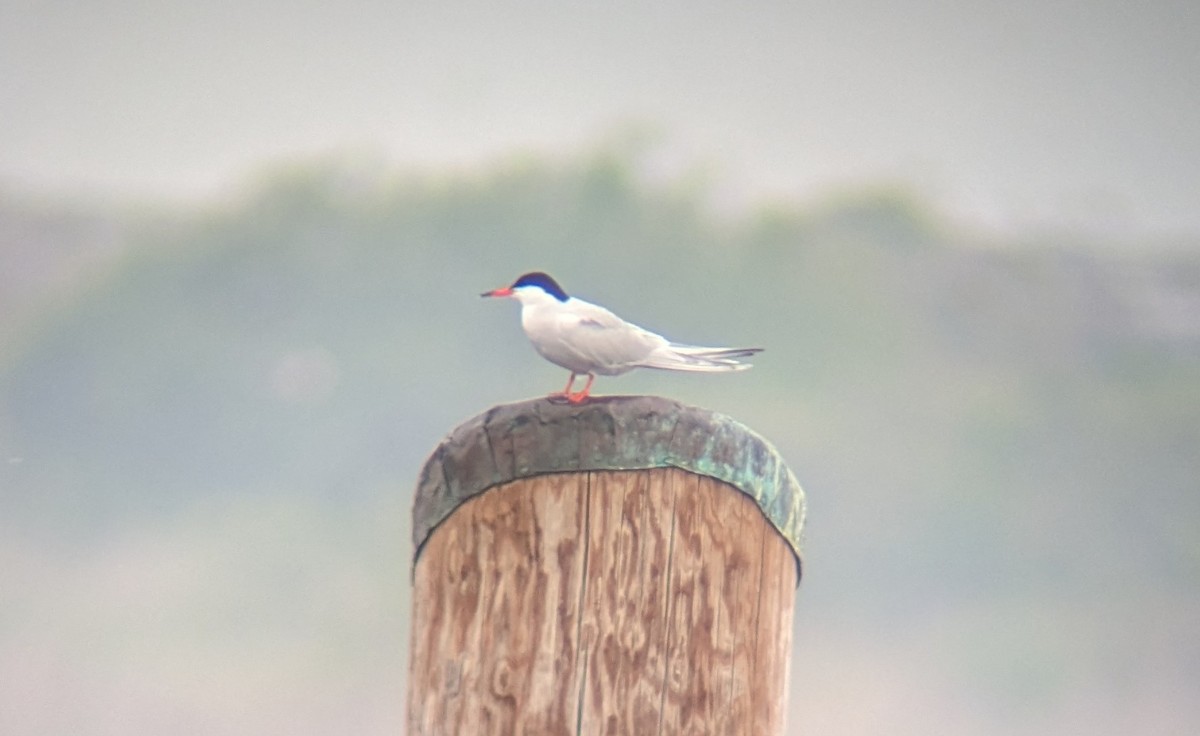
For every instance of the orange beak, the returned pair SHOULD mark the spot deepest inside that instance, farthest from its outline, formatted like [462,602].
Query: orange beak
[504,291]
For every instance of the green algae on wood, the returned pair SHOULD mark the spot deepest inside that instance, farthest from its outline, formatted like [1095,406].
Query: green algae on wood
[537,436]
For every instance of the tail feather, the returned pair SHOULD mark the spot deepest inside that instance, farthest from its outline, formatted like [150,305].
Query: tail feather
[698,359]
[703,352]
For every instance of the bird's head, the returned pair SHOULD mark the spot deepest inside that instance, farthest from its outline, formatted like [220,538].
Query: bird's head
[530,287]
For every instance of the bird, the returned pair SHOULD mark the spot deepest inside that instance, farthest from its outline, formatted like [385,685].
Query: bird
[588,340]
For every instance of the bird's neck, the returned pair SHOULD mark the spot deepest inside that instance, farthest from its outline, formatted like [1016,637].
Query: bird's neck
[539,300]
[539,310]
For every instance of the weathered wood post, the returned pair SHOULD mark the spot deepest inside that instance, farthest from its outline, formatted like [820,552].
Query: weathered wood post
[627,566]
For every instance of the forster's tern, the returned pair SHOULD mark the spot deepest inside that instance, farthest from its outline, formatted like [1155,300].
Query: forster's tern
[590,340]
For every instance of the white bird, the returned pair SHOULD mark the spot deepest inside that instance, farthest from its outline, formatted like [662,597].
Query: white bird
[587,339]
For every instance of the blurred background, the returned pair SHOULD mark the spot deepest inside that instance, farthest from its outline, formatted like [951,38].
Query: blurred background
[240,251]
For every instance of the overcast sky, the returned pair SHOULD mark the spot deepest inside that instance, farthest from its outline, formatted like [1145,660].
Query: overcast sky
[1011,113]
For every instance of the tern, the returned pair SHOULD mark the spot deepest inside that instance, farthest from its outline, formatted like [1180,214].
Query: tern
[588,340]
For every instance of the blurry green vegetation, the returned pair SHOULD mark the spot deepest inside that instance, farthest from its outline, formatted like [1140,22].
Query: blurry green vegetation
[986,430]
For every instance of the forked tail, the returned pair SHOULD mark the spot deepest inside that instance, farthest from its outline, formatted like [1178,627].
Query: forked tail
[699,359]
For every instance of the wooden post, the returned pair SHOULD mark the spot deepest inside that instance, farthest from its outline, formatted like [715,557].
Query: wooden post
[626,566]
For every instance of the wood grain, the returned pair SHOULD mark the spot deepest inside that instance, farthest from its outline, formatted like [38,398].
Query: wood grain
[605,602]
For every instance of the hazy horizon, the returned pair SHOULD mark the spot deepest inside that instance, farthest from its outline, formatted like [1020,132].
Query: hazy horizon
[1004,116]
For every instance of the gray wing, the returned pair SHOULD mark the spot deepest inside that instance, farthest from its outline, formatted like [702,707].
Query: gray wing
[597,338]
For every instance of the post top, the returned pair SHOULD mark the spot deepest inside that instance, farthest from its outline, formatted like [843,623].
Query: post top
[536,436]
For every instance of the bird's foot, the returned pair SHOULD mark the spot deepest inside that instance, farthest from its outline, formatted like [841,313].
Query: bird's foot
[559,397]
[582,396]
[569,397]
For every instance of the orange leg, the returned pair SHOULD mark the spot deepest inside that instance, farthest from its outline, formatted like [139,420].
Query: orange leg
[566,392]
[580,397]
